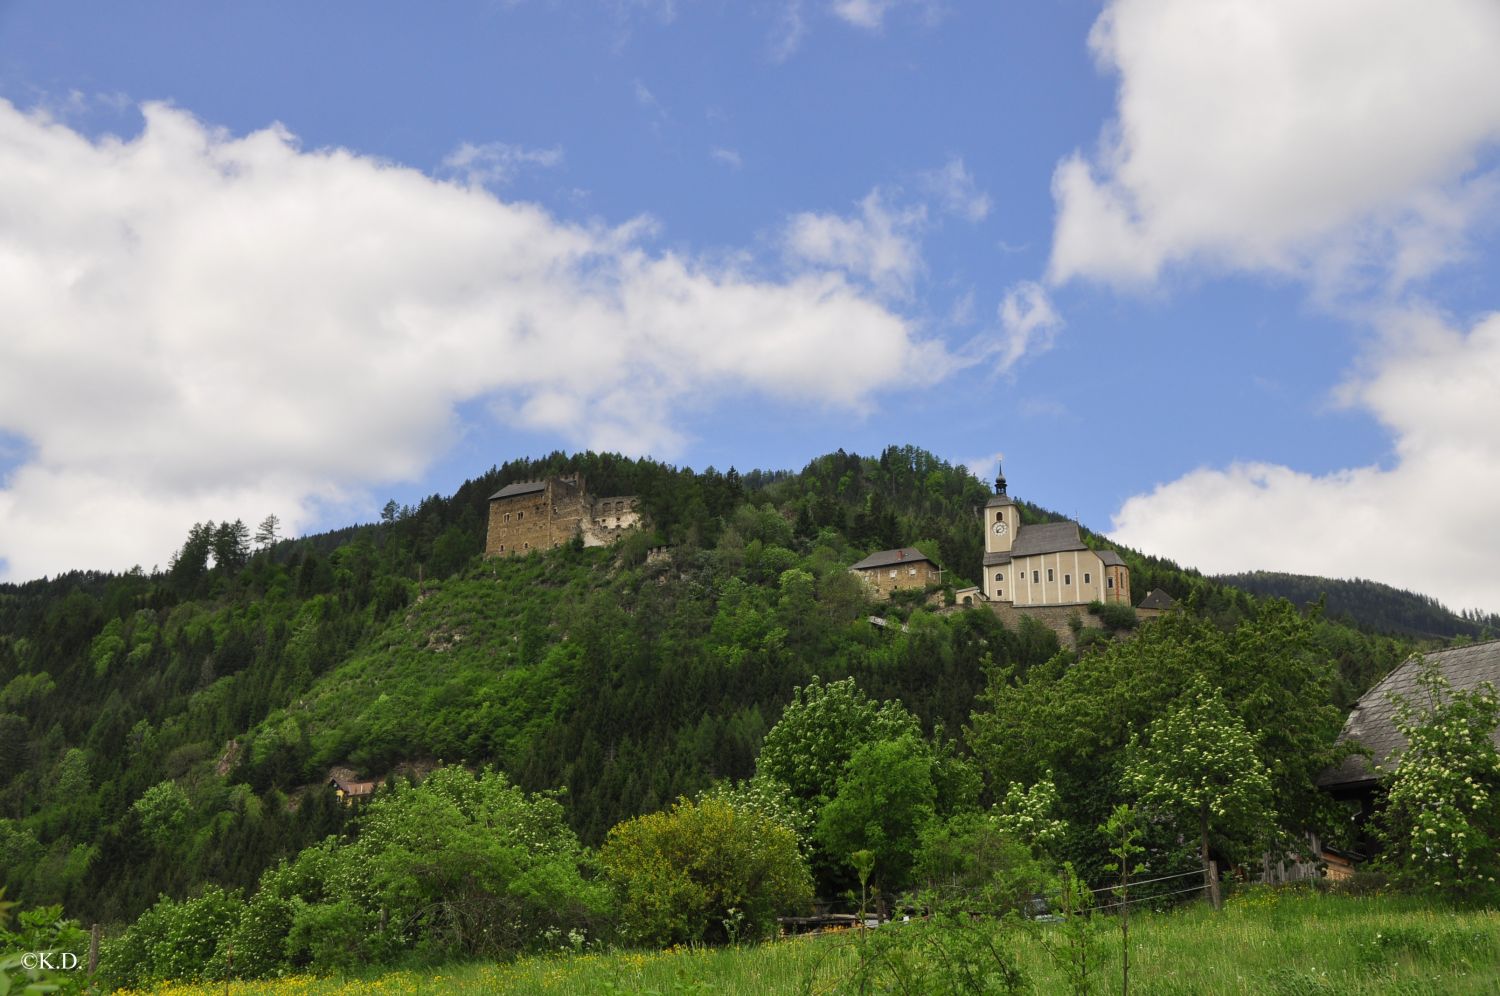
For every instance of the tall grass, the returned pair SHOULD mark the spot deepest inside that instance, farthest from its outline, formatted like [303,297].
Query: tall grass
[1264,942]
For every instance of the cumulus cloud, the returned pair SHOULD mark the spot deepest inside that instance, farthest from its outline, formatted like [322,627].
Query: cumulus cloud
[1427,523]
[1339,140]
[203,325]
[954,189]
[879,244]
[1028,324]
[497,162]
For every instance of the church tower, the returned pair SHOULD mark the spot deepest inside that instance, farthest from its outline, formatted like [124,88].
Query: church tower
[1001,519]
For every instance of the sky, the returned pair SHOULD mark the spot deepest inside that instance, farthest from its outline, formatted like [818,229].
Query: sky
[1216,277]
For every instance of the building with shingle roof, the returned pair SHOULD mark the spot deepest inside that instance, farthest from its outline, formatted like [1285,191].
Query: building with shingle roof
[1372,722]
[1044,564]
[538,515]
[889,570]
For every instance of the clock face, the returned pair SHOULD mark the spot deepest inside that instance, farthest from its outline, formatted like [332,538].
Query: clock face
[1000,528]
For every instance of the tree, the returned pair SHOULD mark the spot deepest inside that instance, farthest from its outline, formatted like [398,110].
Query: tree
[1442,814]
[268,533]
[1199,761]
[231,545]
[884,799]
[705,870]
[163,811]
[818,732]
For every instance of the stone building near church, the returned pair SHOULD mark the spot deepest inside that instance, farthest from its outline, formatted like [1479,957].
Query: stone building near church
[540,515]
[891,570]
[1044,564]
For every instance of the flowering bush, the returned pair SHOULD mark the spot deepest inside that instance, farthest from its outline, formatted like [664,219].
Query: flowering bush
[1441,824]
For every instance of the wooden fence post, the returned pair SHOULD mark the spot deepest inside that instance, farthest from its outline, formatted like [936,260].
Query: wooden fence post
[1213,885]
[94,933]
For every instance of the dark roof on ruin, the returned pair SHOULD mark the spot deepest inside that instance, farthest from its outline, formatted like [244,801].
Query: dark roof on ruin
[1048,537]
[1372,723]
[519,488]
[1157,599]
[885,558]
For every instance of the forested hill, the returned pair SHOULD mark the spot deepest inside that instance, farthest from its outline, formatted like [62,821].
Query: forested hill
[162,731]
[1370,605]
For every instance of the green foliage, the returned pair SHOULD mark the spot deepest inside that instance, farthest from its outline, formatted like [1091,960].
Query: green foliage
[821,729]
[173,940]
[1442,815]
[885,797]
[162,812]
[1114,616]
[1198,767]
[705,870]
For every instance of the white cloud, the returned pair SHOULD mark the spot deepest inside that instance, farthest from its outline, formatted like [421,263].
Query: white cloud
[954,189]
[497,162]
[1427,523]
[200,325]
[878,245]
[984,467]
[729,157]
[1337,140]
[789,31]
[870,14]
[1028,324]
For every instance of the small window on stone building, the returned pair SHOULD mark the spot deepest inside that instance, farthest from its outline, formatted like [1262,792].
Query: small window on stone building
[912,572]
[999,575]
[1109,582]
[1067,579]
[1049,574]
[1036,577]
[502,547]
[999,516]
[893,573]
[1086,577]
[507,516]
[518,516]
[528,546]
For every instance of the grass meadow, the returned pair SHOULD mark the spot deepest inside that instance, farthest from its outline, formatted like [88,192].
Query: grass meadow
[1263,942]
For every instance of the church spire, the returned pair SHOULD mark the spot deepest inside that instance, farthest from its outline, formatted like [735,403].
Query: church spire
[999,478]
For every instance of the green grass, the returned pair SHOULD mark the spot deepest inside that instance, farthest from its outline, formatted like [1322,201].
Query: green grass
[1264,942]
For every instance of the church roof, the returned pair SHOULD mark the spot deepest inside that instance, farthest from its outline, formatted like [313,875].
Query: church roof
[1373,720]
[519,488]
[991,559]
[998,500]
[1110,559]
[885,558]
[1047,537]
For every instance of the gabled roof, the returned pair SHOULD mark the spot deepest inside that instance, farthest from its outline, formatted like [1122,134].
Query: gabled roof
[1373,720]
[886,558]
[1157,599]
[1048,537]
[1110,559]
[519,488]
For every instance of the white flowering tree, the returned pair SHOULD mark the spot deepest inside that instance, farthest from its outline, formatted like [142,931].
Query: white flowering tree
[1441,824]
[1199,763]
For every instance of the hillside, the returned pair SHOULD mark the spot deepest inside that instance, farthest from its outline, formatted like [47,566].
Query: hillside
[158,732]
[1370,605]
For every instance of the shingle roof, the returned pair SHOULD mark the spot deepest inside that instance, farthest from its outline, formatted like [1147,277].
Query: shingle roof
[1048,537]
[1110,559]
[1373,721]
[1157,599]
[905,555]
[991,559]
[520,488]
[997,501]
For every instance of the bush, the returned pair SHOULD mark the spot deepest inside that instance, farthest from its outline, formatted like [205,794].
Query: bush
[1114,615]
[174,940]
[705,871]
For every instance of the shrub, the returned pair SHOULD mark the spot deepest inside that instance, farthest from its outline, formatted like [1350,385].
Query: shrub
[705,871]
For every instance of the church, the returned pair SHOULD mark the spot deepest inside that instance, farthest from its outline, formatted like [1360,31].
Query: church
[1044,564]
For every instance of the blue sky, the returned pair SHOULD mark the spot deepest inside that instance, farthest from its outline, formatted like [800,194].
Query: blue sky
[1214,277]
